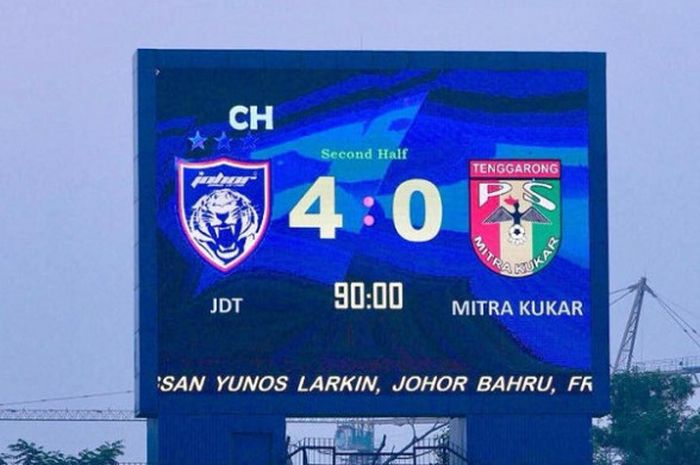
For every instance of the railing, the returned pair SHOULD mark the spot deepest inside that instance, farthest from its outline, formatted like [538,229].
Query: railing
[671,365]
[321,451]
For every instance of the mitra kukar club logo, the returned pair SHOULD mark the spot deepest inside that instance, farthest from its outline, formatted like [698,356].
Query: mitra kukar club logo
[224,208]
[515,214]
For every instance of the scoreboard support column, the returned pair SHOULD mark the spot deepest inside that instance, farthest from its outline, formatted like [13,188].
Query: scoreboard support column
[529,439]
[181,439]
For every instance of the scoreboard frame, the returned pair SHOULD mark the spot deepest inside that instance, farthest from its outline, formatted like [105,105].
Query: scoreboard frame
[149,403]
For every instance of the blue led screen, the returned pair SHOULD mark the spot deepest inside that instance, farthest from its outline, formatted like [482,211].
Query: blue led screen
[373,234]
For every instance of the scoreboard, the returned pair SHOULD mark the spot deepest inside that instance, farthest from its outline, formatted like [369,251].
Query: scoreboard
[371,233]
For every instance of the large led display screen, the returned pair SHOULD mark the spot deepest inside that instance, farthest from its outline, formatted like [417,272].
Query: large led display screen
[359,233]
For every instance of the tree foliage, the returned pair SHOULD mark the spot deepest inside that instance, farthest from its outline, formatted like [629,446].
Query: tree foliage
[650,422]
[28,453]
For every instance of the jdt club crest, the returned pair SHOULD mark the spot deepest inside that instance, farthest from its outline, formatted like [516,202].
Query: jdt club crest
[224,208]
[515,214]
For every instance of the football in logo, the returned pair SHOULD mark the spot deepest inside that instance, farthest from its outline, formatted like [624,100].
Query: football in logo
[515,214]
[224,208]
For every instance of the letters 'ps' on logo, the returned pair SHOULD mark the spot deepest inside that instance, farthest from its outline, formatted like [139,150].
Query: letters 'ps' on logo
[515,214]
[224,208]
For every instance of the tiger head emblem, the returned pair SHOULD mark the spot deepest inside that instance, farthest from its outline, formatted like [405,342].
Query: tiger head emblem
[224,208]
[224,223]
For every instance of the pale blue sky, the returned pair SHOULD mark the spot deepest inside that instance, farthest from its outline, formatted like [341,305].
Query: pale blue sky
[66,266]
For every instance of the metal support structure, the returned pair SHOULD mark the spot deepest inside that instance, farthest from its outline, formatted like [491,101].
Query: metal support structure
[625,355]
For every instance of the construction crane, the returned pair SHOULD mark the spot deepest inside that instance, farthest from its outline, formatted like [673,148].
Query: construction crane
[624,362]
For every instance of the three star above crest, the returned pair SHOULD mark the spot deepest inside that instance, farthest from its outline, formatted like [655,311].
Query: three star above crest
[223,142]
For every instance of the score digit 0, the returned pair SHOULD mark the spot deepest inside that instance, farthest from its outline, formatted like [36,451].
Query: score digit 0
[327,220]
[402,210]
